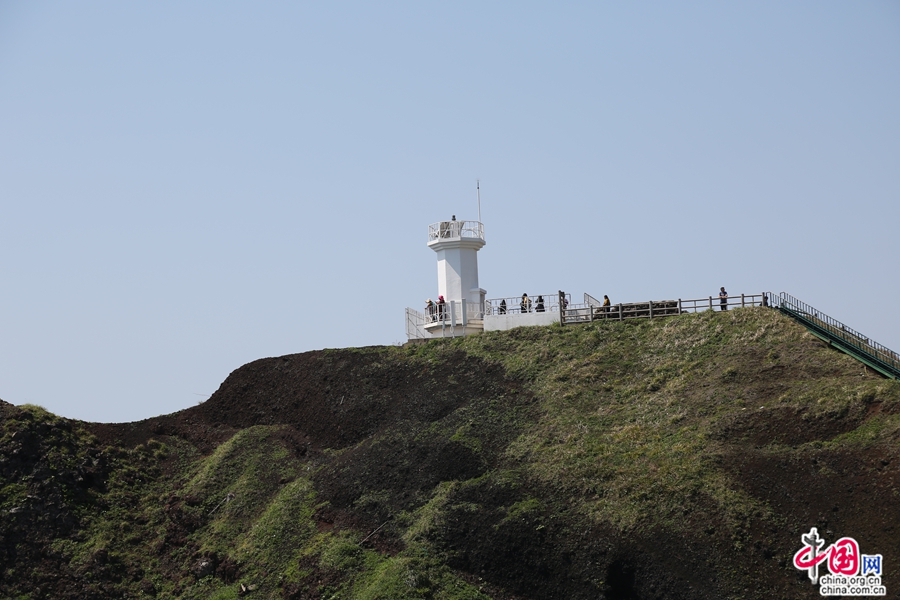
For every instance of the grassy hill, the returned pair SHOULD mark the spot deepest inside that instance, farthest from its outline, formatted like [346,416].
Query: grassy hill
[672,458]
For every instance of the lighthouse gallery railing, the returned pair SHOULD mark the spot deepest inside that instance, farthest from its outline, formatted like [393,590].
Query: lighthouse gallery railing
[449,230]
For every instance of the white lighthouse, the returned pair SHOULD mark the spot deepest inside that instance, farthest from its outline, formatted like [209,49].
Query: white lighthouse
[462,311]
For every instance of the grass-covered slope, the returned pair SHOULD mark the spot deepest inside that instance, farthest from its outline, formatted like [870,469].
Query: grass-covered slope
[672,458]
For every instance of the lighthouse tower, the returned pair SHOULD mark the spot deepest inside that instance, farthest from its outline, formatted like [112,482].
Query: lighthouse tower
[457,244]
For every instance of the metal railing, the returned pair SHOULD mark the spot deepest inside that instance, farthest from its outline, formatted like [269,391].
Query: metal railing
[441,320]
[833,331]
[443,312]
[515,305]
[415,325]
[591,301]
[450,230]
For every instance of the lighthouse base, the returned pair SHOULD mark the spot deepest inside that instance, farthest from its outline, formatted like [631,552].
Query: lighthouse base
[445,329]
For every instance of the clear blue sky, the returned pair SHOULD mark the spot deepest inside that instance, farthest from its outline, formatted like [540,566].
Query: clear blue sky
[186,187]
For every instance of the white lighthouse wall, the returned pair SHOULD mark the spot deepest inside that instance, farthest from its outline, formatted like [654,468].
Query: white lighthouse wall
[449,281]
[469,282]
[446,275]
[458,274]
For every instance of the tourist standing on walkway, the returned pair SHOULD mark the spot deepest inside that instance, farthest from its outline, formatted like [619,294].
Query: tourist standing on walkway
[441,303]
[539,307]
[723,299]
[606,303]
[525,304]
[429,308]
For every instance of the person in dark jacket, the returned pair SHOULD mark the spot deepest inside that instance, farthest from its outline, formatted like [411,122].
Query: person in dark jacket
[525,304]
[539,307]
[723,299]
[503,307]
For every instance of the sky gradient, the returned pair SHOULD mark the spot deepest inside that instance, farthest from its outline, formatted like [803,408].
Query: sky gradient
[187,187]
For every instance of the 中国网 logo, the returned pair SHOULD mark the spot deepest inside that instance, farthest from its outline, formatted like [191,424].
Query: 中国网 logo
[850,573]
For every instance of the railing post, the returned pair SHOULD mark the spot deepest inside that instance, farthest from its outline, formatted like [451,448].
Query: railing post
[562,309]
[742,301]
[620,311]
[679,306]
[650,304]
[710,303]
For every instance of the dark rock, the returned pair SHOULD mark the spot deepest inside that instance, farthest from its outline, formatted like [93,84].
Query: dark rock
[203,568]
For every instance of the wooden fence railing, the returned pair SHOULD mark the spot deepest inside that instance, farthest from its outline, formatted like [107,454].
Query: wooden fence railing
[590,311]
[878,357]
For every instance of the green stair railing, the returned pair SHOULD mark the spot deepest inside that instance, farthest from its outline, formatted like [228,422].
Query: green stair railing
[878,357]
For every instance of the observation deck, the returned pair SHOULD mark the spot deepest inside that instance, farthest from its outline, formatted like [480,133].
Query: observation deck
[465,233]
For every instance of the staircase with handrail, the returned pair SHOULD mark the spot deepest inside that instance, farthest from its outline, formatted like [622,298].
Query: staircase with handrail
[872,354]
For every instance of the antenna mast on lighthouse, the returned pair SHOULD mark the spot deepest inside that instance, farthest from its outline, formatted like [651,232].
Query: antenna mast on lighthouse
[478,195]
